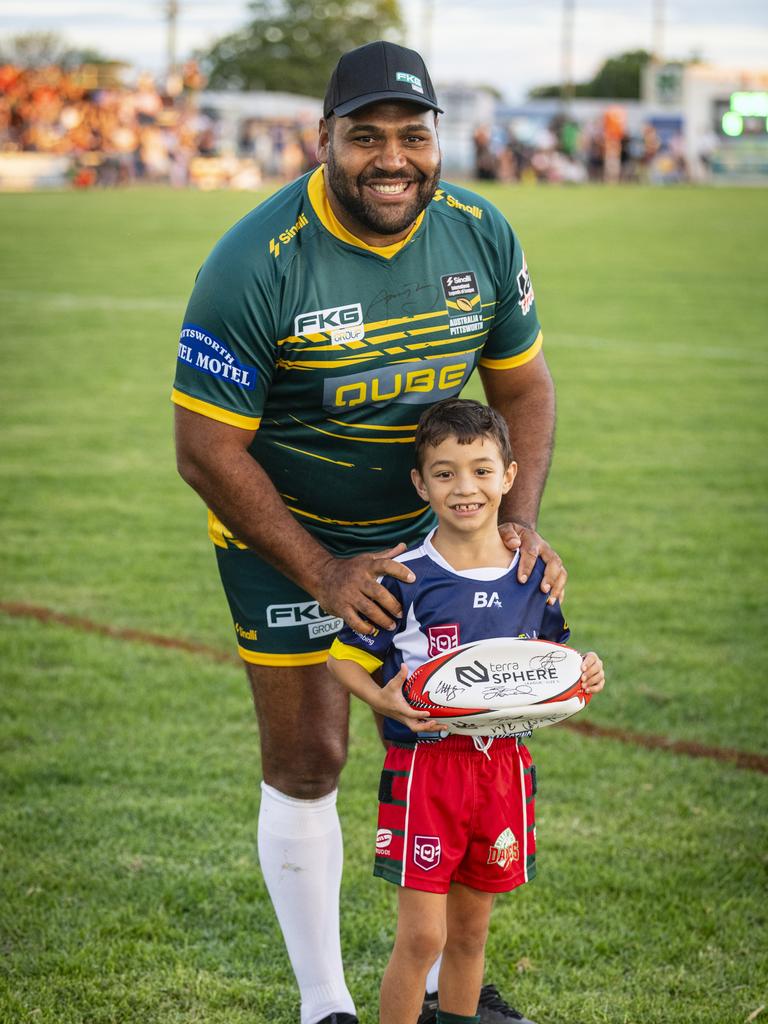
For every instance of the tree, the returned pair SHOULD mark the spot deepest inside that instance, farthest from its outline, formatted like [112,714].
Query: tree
[44,49]
[618,78]
[293,45]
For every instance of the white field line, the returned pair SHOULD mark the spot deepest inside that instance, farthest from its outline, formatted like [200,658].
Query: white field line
[660,348]
[66,301]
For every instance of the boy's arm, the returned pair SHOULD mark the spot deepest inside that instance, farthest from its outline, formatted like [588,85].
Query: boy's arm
[387,700]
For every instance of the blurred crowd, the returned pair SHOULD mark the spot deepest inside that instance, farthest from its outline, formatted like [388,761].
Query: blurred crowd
[562,150]
[113,134]
[117,135]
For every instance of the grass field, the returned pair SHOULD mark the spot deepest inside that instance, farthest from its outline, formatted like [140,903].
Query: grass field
[129,885]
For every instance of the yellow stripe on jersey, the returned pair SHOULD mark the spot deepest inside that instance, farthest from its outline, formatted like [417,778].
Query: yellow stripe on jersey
[518,360]
[319,364]
[343,652]
[318,197]
[431,344]
[283,660]
[371,426]
[215,412]
[378,324]
[314,455]
[367,357]
[348,437]
[356,522]
[448,355]
[221,536]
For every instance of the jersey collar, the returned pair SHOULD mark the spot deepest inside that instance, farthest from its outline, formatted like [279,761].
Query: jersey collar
[318,197]
[487,573]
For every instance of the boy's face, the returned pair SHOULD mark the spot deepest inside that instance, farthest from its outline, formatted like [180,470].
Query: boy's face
[464,483]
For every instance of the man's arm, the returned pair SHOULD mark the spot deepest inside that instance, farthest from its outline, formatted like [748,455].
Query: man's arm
[213,459]
[525,397]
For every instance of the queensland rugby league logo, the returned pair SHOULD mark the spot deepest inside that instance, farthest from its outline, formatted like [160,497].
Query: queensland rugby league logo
[426,852]
[442,639]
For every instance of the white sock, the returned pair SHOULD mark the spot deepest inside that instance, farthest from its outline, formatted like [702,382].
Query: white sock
[301,858]
[434,972]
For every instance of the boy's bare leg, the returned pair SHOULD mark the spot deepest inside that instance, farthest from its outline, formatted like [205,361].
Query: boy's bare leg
[468,914]
[421,930]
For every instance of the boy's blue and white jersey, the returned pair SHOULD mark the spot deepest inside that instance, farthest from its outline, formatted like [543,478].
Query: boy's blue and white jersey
[444,608]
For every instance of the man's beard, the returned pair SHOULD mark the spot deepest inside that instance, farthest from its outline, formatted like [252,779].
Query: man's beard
[380,219]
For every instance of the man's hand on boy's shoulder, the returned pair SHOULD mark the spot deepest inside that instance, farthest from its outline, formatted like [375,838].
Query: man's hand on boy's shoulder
[350,588]
[532,546]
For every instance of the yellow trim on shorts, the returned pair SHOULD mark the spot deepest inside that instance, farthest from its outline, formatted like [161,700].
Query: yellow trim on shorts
[344,652]
[283,660]
[220,535]
[215,412]
[518,360]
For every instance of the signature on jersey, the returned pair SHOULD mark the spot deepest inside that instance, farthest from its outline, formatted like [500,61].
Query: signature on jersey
[411,299]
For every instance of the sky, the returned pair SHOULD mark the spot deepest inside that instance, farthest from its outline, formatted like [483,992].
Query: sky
[509,44]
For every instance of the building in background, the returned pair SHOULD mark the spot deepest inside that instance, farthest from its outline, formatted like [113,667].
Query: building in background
[725,113]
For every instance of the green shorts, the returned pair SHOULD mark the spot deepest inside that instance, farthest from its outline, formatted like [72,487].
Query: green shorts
[276,622]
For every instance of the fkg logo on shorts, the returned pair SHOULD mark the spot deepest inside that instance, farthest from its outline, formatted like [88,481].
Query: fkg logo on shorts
[426,852]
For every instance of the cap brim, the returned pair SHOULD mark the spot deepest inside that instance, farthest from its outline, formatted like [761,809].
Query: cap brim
[376,97]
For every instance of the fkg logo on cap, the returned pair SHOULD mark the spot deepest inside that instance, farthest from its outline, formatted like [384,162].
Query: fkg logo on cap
[413,80]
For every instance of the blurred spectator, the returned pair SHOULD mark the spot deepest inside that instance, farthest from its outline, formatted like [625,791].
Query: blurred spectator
[117,135]
[564,150]
[485,159]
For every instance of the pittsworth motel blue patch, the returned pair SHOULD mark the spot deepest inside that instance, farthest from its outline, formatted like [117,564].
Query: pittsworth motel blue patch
[206,353]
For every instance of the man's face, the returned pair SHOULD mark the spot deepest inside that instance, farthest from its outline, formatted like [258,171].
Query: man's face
[383,167]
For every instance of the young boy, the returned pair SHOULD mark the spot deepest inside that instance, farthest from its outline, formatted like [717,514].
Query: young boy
[456,818]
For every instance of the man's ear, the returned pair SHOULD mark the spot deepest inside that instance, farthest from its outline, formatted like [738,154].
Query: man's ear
[323,141]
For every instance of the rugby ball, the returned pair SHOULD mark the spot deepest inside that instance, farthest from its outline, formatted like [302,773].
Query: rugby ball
[499,687]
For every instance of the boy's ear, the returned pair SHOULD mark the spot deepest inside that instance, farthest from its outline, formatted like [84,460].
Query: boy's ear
[418,483]
[509,477]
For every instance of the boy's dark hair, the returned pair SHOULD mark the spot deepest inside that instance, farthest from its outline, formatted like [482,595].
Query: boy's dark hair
[465,420]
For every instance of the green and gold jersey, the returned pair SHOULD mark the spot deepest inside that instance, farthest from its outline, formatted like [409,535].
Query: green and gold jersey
[330,349]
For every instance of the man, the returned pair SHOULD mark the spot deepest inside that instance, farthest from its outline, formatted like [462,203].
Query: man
[319,328]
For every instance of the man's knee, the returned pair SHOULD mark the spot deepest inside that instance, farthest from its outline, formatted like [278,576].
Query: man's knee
[303,718]
[306,771]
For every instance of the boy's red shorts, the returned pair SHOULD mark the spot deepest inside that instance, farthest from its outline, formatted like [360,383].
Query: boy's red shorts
[449,814]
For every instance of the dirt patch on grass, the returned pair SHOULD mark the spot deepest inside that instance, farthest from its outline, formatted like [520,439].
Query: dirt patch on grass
[688,748]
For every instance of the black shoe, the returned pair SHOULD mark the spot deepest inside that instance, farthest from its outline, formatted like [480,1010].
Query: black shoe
[494,1010]
[428,1013]
[339,1018]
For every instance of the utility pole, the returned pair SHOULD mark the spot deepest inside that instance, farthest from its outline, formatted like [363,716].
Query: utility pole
[566,66]
[427,12]
[658,31]
[171,14]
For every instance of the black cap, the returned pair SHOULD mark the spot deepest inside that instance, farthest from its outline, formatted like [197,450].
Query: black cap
[378,71]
